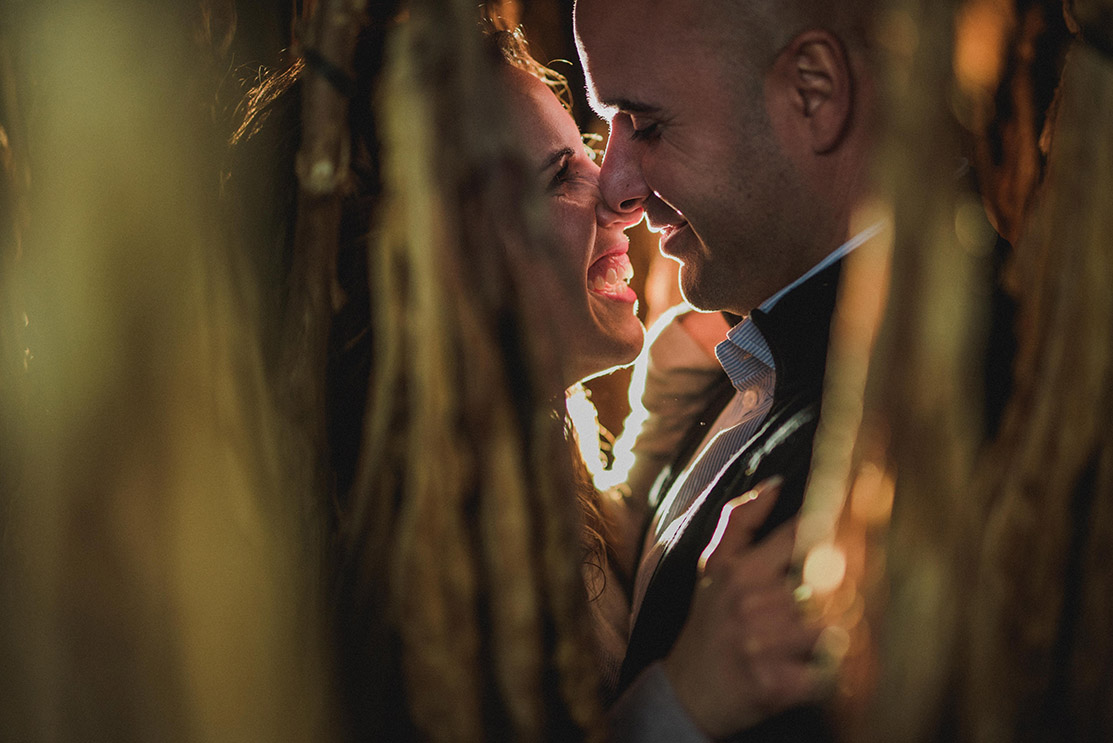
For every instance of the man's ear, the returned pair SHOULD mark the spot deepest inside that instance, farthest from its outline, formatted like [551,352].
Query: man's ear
[811,82]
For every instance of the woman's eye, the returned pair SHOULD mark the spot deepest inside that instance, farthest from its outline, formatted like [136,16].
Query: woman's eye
[561,175]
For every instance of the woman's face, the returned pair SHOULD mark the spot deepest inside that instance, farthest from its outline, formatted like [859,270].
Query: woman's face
[596,305]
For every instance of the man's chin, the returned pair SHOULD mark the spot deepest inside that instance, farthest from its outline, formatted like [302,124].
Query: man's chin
[692,289]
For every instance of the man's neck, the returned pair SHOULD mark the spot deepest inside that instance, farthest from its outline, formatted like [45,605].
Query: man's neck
[841,251]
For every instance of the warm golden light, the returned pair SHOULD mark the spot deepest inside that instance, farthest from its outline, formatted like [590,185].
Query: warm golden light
[585,422]
[871,496]
[978,43]
[824,568]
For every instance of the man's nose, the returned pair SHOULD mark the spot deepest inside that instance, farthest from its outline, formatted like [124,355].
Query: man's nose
[620,180]
[608,217]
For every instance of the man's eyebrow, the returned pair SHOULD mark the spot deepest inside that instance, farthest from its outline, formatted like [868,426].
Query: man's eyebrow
[628,106]
[556,157]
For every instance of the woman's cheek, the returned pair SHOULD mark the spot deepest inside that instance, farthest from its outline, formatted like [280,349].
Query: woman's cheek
[575,228]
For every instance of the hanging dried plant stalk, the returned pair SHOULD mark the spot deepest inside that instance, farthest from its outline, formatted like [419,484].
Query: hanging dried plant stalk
[322,169]
[154,589]
[919,411]
[1040,654]
[996,621]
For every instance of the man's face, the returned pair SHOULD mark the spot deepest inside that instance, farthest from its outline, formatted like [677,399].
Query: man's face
[691,140]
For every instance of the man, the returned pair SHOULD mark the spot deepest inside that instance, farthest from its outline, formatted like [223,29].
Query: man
[742,127]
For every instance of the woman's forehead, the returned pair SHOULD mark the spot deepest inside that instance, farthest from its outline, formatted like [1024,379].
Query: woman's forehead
[536,114]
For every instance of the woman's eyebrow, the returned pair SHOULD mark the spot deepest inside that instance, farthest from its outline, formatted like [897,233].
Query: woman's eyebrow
[556,157]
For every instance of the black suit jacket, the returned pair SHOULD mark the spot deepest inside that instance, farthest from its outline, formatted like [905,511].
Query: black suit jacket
[797,330]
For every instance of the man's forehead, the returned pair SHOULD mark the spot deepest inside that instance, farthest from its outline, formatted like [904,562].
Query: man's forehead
[632,10]
[628,49]
[626,18]
[606,24]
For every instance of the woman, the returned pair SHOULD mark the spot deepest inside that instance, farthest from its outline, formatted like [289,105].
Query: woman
[498,277]
[595,307]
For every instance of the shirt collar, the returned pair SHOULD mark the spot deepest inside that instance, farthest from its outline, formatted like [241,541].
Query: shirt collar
[745,353]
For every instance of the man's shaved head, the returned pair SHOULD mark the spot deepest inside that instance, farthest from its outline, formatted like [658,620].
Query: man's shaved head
[731,121]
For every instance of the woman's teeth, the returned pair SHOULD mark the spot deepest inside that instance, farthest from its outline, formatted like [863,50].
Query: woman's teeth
[611,282]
